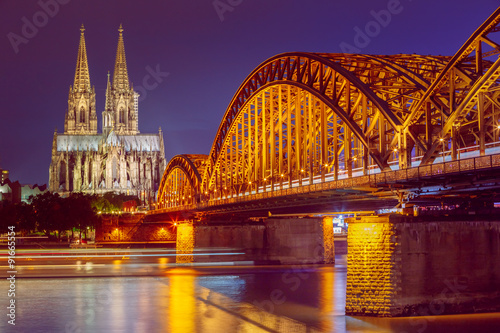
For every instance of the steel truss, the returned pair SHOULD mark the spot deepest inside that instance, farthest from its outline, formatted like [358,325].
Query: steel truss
[300,118]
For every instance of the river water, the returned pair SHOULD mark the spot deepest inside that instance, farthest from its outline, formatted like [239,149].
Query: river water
[215,298]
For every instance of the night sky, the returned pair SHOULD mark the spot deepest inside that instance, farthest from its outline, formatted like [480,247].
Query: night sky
[207,53]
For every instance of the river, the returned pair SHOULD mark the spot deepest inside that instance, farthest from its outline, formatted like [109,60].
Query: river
[153,294]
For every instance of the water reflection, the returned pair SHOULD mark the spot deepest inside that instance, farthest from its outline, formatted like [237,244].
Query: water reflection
[182,305]
[212,299]
[326,303]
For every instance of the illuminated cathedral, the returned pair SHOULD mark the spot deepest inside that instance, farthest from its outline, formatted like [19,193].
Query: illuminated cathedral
[119,159]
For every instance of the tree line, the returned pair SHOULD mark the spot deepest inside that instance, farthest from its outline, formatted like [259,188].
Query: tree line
[49,213]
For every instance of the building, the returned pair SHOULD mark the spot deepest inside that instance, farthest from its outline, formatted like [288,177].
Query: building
[4,175]
[10,192]
[14,192]
[28,191]
[119,159]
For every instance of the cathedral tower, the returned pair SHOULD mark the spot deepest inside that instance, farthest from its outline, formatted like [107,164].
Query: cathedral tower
[121,110]
[119,159]
[81,116]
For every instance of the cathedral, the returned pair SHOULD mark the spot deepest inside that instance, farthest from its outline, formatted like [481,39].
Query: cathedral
[119,159]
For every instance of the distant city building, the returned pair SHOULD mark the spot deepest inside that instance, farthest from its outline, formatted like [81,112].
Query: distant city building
[119,159]
[10,192]
[14,192]
[28,191]
[4,175]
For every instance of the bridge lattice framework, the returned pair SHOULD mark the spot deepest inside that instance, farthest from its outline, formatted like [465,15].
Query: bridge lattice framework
[305,118]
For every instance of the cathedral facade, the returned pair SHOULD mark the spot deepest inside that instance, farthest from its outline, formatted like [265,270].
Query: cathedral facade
[120,159]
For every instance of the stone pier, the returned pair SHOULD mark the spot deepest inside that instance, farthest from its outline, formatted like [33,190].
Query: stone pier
[405,265]
[274,240]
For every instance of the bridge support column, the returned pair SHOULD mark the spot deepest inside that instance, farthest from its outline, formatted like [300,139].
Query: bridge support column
[275,240]
[184,246]
[404,265]
[300,240]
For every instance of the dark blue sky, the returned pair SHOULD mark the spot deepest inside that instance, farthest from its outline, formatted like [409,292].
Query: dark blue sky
[207,54]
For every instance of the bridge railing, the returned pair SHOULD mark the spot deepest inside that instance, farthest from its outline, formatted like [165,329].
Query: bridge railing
[371,180]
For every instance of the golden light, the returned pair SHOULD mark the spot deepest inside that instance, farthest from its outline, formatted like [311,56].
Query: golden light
[282,175]
[175,223]
[182,308]
[301,170]
[249,183]
[441,139]
[395,150]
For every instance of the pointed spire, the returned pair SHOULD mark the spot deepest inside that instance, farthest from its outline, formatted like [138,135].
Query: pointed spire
[82,76]
[120,75]
[109,103]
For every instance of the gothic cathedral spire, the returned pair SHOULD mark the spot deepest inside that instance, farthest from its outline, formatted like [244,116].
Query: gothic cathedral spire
[82,76]
[108,119]
[120,77]
[121,112]
[81,116]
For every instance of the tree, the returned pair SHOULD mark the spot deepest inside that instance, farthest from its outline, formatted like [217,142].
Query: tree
[101,204]
[79,210]
[49,213]
[20,215]
[8,217]
[26,217]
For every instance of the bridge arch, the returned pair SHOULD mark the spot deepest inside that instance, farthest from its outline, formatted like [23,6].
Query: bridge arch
[307,117]
[180,184]
[467,85]
[350,90]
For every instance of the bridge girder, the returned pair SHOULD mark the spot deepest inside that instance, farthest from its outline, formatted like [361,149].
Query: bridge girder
[364,95]
[302,116]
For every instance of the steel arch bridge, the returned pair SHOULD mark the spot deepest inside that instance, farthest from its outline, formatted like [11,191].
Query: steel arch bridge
[305,118]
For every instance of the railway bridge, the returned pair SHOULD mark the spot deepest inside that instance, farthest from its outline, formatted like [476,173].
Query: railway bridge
[308,135]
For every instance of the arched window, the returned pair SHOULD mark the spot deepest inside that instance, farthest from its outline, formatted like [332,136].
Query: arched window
[82,114]
[90,171]
[122,116]
[114,169]
[62,174]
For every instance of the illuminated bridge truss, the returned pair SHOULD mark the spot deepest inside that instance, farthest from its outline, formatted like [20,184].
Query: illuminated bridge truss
[304,118]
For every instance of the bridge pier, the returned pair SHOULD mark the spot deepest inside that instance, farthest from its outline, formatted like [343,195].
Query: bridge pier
[405,265]
[274,240]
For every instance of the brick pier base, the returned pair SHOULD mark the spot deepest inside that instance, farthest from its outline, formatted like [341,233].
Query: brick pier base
[404,265]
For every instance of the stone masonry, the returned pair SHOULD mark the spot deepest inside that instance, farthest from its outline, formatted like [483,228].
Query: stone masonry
[405,266]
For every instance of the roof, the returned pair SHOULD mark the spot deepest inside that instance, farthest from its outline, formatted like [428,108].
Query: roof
[139,142]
